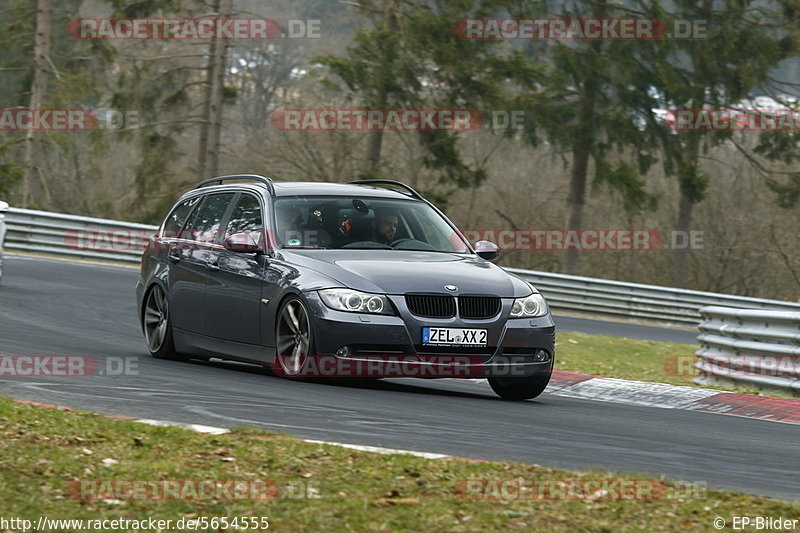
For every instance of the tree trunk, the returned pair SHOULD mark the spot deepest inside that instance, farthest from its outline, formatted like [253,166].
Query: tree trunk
[576,200]
[581,151]
[581,148]
[34,179]
[375,138]
[691,188]
[375,141]
[688,188]
[681,255]
[211,129]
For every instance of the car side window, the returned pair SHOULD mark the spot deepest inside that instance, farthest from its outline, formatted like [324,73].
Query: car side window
[177,218]
[207,220]
[246,216]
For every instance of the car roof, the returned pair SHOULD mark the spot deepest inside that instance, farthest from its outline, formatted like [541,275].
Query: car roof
[307,188]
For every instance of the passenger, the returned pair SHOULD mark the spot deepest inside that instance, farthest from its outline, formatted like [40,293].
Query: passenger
[386,220]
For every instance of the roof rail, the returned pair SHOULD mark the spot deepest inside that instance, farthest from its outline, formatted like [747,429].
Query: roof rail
[413,193]
[253,177]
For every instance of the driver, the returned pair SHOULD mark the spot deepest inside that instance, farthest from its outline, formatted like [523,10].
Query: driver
[385,225]
[289,218]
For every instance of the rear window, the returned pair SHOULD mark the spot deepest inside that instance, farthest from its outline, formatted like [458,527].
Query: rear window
[246,215]
[206,222]
[177,218]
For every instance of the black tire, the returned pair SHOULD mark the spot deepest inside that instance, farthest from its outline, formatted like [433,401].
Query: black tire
[294,340]
[519,388]
[157,326]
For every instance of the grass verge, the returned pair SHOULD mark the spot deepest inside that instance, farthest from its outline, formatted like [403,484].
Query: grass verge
[634,359]
[43,450]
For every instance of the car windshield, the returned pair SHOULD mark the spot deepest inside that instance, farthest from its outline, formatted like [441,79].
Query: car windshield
[325,222]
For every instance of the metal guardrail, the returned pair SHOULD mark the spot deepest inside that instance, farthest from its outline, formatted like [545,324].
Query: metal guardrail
[97,238]
[75,236]
[635,300]
[752,347]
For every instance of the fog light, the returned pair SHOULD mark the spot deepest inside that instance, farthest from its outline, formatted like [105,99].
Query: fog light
[541,356]
[344,351]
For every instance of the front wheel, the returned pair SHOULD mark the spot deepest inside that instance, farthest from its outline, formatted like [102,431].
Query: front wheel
[157,325]
[293,337]
[519,388]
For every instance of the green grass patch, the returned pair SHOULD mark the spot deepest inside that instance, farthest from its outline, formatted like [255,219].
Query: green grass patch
[43,450]
[617,357]
[634,359]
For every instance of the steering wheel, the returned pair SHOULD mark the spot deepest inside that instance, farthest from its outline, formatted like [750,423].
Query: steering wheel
[366,244]
[416,244]
[398,241]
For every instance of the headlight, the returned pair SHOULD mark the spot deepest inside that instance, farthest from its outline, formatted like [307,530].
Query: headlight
[533,305]
[356,302]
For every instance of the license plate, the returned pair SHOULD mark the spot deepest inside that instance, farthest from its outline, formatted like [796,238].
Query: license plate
[453,336]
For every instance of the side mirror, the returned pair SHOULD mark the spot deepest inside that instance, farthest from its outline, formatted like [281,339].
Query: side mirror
[245,243]
[3,207]
[487,249]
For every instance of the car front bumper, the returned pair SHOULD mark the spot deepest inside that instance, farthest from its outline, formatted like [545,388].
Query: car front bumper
[369,345]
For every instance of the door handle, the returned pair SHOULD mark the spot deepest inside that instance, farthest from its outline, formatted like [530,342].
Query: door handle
[213,266]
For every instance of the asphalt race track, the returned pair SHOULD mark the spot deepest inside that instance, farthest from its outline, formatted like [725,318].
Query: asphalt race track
[624,329]
[52,307]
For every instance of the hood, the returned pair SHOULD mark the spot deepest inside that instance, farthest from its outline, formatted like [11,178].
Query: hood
[402,271]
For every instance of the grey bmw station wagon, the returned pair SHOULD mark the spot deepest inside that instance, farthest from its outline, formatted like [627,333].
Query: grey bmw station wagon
[363,279]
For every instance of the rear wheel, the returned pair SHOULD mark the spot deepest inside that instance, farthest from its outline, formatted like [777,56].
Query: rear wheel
[293,339]
[519,388]
[157,325]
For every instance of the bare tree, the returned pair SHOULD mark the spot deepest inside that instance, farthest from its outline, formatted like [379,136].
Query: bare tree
[33,149]
[212,106]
